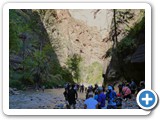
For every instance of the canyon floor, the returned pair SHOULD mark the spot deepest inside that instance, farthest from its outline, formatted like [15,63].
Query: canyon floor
[53,99]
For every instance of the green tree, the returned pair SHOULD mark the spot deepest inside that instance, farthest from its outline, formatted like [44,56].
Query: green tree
[73,65]
[33,60]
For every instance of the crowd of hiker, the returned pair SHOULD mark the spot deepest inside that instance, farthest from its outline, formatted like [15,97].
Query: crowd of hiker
[101,97]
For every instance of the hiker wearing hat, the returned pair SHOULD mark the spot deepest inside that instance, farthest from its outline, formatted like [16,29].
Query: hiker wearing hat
[111,96]
[101,98]
[90,103]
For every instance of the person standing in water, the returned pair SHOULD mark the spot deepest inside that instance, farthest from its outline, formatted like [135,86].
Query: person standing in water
[101,98]
[72,97]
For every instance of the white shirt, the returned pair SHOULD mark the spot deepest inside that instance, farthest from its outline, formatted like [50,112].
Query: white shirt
[91,103]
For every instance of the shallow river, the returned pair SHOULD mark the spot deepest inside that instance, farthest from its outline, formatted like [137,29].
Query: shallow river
[49,99]
[52,99]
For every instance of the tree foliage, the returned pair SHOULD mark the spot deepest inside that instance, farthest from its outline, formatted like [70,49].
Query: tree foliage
[29,41]
[73,63]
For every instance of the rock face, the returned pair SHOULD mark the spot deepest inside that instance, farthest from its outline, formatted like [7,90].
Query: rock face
[77,31]
[101,19]
[88,33]
[131,35]
[28,44]
[80,32]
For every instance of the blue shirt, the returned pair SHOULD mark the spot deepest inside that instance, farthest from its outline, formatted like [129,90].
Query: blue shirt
[96,97]
[91,103]
[112,95]
[102,99]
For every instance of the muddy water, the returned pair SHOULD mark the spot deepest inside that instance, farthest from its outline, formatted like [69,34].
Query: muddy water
[52,99]
[49,99]
[59,92]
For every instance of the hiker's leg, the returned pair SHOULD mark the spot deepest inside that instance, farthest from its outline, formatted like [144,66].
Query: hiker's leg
[74,106]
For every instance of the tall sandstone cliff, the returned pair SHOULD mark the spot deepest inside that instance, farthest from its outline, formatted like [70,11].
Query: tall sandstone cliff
[80,32]
[86,33]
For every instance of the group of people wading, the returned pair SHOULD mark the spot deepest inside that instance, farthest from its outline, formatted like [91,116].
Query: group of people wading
[100,97]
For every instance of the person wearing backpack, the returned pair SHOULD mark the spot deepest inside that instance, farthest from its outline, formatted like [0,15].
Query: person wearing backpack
[72,97]
[111,96]
[126,93]
[101,98]
[133,87]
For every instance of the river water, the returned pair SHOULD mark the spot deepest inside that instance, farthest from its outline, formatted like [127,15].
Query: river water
[49,99]
[52,99]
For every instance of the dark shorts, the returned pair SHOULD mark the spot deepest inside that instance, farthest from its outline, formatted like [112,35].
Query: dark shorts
[72,102]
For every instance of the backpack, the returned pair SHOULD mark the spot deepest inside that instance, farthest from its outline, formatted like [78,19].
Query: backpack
[118,101]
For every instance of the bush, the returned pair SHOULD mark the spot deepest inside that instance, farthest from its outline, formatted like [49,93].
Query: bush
[125,47]
[73,64]
[55,80]
[16,84]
